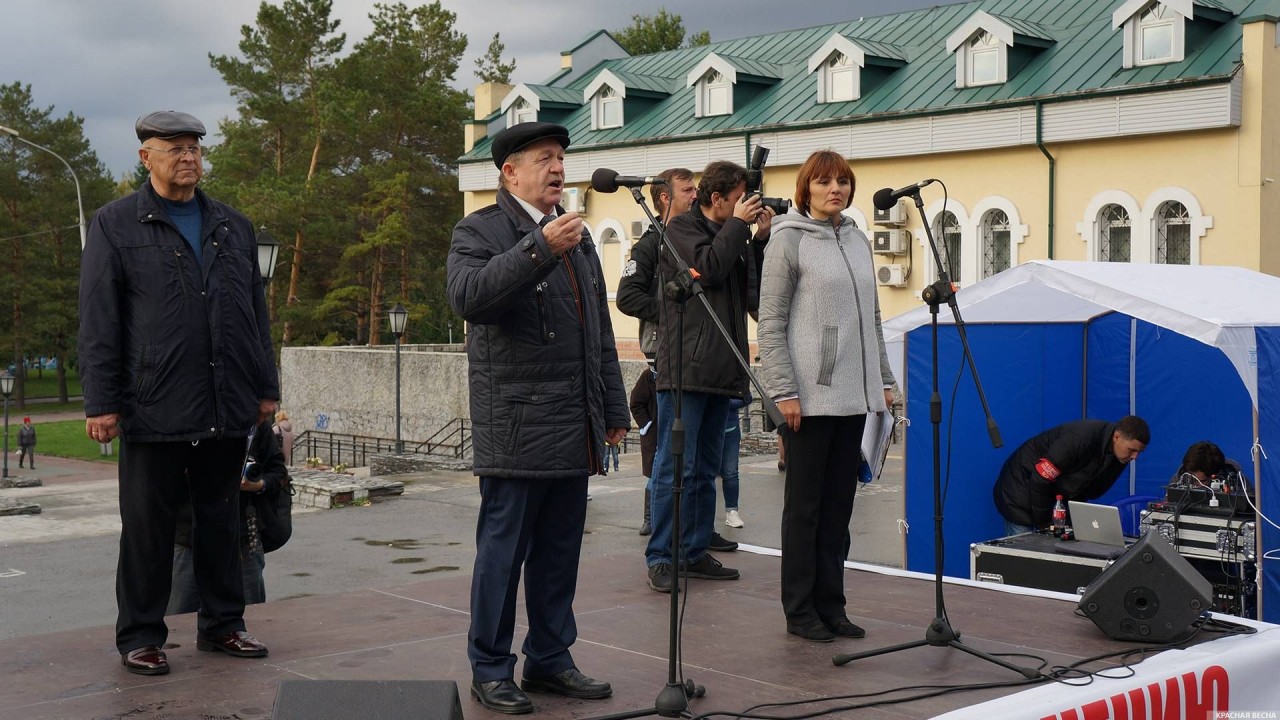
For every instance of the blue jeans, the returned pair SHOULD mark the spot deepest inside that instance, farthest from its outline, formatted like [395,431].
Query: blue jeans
[729,465]
[704,417]
[1011,528]
[614,451]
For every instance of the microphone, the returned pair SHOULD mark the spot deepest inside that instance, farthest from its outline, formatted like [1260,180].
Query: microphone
[606,181]
[888,197]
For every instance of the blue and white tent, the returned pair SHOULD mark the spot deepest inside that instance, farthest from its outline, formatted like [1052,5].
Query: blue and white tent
[1195,350]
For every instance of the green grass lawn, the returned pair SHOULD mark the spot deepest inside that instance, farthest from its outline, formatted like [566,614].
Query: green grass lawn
[47,386]
[60,439]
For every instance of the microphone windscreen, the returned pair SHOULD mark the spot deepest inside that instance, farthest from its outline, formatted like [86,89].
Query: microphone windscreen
[604,180]
[884,199]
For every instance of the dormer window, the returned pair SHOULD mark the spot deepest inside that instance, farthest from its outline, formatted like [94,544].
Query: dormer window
[715,94]
[985,60]
[1158,35]
[1157,32]
[840,79]
[607,110]
[521,112]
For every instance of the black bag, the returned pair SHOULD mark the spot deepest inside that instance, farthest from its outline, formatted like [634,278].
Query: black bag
[275,518]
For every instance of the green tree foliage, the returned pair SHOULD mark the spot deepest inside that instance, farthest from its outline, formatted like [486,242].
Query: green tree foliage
[349,162]
[657,33]
[39,230]
[491,68]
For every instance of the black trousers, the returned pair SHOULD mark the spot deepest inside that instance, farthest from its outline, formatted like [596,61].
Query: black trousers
[154,479]
[537,525]
[822,477]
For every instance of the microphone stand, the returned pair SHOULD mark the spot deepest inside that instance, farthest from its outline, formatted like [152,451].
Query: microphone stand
[673,699]
[940,633]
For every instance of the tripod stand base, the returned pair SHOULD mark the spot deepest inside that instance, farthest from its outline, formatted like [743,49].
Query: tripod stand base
[939,634]
[672,702]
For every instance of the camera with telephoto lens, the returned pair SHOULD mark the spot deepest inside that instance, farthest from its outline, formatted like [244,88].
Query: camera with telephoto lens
[755,181]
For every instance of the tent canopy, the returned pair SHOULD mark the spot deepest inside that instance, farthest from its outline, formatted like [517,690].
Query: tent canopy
[1056,341]
[1218,306]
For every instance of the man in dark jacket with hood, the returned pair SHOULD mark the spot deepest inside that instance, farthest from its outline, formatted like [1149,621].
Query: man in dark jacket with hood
[1078,460]
[546,397]
[714,239]
[176,360]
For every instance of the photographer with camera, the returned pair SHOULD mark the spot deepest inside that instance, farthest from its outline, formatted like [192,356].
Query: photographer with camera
[715,240]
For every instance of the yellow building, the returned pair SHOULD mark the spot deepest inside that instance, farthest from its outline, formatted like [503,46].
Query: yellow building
[1109,130]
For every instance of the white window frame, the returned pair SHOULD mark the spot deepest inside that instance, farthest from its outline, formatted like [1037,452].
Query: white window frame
[837,65]
[1090,226]
[1130,17]
[984,44]
[1200,223]
[973,242]
[968,259]
[1169,19]
[712,82]
[521,111]
[1104,242]
[605,98]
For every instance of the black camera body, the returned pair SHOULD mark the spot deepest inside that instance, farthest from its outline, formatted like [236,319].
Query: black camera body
[755,181]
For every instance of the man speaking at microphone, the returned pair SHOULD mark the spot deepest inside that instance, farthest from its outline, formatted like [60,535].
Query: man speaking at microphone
[546,396]
[714,239]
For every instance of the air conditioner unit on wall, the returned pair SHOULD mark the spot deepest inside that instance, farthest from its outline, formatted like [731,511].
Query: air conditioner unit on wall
[889,242]
[637,229]
[894,216]
[572,200]
[891,276]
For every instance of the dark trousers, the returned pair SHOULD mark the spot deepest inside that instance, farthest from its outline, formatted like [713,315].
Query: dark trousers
[822,477]
[536,524]
[154,479]
[28,453]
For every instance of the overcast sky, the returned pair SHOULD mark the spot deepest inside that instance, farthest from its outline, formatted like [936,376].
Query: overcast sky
[110,61]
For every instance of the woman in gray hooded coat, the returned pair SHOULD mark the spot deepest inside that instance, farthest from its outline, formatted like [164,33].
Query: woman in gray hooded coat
[825,366]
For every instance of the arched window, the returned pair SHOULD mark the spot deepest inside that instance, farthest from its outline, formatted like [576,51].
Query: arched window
[946,231]
[996,251]
[1173,234]
[1115,234]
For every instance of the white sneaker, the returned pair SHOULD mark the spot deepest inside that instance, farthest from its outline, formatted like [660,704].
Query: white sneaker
[731,519]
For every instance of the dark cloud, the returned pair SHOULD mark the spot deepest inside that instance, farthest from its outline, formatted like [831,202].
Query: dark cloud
[110,62]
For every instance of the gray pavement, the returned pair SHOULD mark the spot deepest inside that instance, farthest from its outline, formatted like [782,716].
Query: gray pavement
[57,569]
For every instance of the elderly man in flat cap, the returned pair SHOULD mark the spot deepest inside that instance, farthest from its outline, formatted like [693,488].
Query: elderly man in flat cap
[546,397]
[176,360]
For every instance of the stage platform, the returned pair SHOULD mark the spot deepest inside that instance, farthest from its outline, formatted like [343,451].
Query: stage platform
[735,644]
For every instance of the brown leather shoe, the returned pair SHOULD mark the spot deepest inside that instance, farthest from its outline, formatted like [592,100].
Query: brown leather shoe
[238,643]
[146,660]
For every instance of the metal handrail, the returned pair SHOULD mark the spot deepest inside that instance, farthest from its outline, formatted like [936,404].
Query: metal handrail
[454,437]
[341,448]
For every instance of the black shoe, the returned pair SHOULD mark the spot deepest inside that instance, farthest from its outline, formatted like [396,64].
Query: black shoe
[709,568]
[844,628]
[719,544]
[502,696]
[646,528]
[569,683]
[660,577]
[816,632]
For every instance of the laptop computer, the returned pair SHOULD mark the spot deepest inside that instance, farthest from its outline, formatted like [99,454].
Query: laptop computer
[1097,530]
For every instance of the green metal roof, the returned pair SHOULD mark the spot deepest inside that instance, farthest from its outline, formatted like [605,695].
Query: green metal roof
[1025,27]
[750,66]
[564,96]
[880,49]
[1084,60]
[651,83]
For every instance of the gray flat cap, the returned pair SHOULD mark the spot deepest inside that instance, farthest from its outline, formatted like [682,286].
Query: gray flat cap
[165,124]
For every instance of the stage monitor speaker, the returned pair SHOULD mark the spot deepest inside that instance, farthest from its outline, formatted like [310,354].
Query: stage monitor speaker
[1150,593]
[363,699]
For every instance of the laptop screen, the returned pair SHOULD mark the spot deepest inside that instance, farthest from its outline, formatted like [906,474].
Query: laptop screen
[1096,523]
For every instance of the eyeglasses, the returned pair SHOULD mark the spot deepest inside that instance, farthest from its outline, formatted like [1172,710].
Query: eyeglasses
[177,151]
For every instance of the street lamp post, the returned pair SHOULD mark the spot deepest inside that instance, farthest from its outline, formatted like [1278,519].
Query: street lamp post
[398,317]
[76,180]
[450,331]
[6,388]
